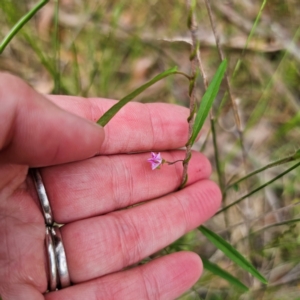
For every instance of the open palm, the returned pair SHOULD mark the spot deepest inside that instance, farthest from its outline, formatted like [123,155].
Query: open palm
[91,179]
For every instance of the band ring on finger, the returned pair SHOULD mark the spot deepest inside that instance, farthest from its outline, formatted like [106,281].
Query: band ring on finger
[52,285]
[42,194]
[61,259]
[57,261]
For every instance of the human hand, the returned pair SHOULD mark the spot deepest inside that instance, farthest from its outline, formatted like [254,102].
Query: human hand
[90,179]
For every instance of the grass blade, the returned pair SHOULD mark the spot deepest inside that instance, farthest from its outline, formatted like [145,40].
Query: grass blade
[207,101]
[113,110]
[215,269]
[232,253]
[20,24]
[260,187]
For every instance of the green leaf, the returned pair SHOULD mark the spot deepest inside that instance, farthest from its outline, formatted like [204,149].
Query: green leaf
[20,24]
[215,269]
[113,110]
[232,253]
[207,101]
[297,154]
[236,187]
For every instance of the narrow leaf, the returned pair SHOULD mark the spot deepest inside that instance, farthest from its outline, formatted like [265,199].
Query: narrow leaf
[207,101]
[236,187]
[258,188]
[232,253]
[215,269]
[113,110]
[16,28]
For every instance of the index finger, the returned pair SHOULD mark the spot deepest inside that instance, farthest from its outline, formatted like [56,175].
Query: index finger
[136,127]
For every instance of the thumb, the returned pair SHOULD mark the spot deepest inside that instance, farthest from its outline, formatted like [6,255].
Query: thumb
[35,132]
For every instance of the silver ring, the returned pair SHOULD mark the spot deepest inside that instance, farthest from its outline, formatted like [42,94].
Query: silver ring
[61,259]
[41,191]
[51,260]
[57,261]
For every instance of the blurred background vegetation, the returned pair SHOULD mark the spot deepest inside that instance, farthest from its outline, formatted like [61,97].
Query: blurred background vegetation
[108,48]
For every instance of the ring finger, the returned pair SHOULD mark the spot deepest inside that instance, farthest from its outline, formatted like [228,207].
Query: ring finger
[105,244]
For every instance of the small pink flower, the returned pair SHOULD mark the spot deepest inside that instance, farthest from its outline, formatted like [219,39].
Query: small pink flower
[155,160]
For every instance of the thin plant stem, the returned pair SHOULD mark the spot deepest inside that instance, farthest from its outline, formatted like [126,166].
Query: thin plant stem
[212,121]
[192,90]
[173,162]
[183,74]
[234,108]
[237,66]
[76,71]
[17,27]
[259,188]
[221,54]
[205,141]
[56,56]
[218,165]
[287,222]
[233,103]
[45,61]
[196,59]
[268,166]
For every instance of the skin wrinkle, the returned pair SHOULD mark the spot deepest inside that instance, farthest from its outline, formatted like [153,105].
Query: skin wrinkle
[148,284]
[115,185]
[170,228]
[67,180]
[14,181]
[7,254]
[206,196]
[20,276]
[124,287]
[129,182]
[121,171]
[55,154]
[12,262]
[149,111]
[128,231]
[184,211]
[161,122]
[106,288]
